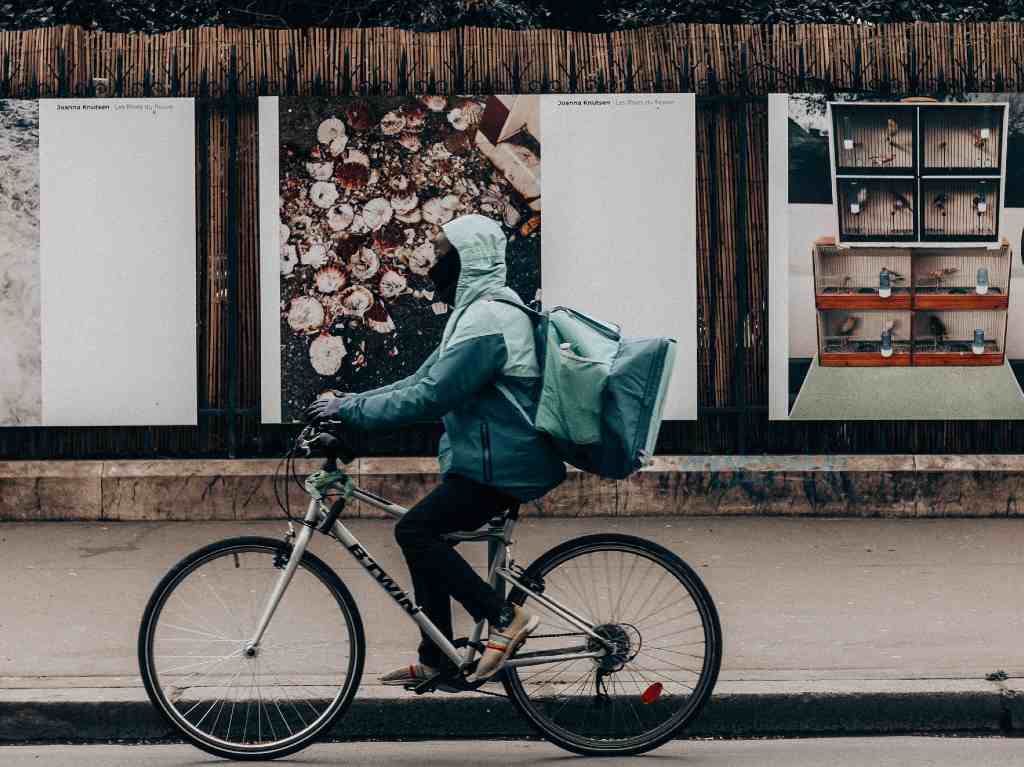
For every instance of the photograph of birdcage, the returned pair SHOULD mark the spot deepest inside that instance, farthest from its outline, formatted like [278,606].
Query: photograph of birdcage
[911,239]
[894,248]
[875,139]
[865,338]
[862,278]
[876,209]
[962,278]
[959,338]
[960,209]
[961,138]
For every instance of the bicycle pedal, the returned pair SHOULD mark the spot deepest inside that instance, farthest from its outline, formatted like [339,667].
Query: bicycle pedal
[427,685]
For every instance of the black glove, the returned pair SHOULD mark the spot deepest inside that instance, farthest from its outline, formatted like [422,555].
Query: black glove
[323,408]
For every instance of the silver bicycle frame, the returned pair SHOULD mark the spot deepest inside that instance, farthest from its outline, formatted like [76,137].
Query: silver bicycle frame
[499,539]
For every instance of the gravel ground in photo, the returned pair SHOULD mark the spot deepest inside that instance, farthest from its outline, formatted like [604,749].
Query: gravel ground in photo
[20,349]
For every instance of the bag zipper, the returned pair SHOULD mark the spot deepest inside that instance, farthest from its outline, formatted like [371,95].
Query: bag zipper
[485,441]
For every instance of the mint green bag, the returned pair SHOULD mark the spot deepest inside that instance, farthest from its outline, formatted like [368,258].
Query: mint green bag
[578,354]
[602,395]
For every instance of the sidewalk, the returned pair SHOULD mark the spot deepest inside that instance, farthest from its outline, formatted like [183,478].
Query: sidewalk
[853,625]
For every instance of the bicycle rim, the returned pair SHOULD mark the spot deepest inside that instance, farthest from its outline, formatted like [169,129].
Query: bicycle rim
[199,623]
[658,616]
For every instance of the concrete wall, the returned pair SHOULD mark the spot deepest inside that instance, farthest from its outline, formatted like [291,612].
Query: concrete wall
[863,486]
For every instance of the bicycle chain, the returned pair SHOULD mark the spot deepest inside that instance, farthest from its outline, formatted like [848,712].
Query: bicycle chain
[532,636]
[556,636]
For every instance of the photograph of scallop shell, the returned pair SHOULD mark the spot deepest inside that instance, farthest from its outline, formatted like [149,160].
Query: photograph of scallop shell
[20,344]
[365,186]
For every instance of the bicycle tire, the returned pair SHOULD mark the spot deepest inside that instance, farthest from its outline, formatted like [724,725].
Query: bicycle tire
[702,690]
[315,566]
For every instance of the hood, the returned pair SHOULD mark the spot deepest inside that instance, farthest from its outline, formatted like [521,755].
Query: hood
[481,244]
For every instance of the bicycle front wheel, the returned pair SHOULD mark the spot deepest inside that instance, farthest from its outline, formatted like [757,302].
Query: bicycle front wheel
[250,705]
[646,604]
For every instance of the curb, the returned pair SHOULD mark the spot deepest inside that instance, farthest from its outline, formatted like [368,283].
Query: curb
[736,710]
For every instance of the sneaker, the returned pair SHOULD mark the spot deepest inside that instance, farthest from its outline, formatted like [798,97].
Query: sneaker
[412,675]
[504,639]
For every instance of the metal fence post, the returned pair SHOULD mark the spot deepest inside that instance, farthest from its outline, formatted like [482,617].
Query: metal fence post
[740,359]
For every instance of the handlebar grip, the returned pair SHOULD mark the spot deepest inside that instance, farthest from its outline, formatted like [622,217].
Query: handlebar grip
[335,447]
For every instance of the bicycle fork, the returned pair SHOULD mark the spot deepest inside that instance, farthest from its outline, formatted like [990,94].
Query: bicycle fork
[295,556]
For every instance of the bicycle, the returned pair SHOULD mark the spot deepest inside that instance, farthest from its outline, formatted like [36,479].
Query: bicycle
[243,673]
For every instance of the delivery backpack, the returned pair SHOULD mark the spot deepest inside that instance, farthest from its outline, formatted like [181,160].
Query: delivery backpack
[602,395]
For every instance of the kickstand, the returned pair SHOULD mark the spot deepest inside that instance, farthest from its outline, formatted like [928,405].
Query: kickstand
[601,697]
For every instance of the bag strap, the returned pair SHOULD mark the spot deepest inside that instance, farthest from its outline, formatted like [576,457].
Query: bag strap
[534,315]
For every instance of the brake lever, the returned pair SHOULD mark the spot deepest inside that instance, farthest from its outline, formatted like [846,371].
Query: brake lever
[303,441]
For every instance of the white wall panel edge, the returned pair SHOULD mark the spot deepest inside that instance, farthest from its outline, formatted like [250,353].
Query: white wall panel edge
[270,260]
[778,256]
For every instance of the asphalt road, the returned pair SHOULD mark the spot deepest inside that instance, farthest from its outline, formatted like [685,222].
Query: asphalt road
[836,752]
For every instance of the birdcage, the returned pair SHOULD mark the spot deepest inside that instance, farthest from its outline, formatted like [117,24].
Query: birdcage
[864,338]
[960,209]
[877,209]
[875,139]
[962,278]
[959,337]
[957,138]
[862,278]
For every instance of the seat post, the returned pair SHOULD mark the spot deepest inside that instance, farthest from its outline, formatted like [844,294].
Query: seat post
[496,549]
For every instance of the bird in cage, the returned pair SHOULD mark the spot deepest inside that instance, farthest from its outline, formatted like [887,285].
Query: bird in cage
[859,199]
[980,138]
[892,128]
[939,274]
[936,326]
[940,202]
[893,274]
[847,327]
[981,198]
[899,203]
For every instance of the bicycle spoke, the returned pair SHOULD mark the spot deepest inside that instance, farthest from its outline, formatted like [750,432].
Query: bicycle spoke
[216,637]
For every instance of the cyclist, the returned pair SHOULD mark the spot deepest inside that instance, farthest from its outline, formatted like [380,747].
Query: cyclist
[490,458]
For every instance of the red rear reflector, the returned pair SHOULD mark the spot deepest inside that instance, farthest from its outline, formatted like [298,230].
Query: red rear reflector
[652,693]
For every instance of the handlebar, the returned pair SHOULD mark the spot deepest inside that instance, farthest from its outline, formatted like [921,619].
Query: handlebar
[320,438]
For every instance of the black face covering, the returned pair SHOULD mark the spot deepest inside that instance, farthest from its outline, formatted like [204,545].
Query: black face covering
[445,276]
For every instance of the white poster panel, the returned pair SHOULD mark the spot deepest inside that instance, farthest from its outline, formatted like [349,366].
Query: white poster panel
[620,219]
[118,262]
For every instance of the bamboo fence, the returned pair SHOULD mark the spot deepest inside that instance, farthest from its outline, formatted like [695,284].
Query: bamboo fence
[731,68]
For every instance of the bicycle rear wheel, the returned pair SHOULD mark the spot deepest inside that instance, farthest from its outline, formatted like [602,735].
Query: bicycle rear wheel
[656,613]
[193,641]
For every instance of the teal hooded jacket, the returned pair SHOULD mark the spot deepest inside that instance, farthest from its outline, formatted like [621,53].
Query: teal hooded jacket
[484,341]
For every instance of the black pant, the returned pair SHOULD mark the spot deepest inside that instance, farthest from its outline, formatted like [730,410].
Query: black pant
[438,571]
